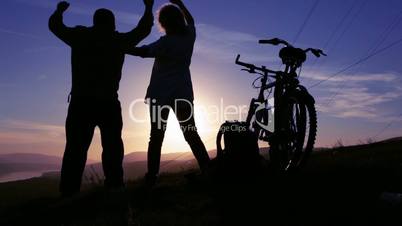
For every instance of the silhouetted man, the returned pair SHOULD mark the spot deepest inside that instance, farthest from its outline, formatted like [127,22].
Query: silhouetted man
[97,60]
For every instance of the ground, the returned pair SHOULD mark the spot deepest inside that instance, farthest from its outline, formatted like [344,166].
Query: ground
[341,186]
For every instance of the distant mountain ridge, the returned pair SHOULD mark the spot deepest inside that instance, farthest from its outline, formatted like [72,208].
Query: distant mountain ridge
[29,158]
[33,158]
[134,162]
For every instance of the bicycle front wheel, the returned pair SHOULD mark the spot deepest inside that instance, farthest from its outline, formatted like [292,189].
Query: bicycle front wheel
[298,129]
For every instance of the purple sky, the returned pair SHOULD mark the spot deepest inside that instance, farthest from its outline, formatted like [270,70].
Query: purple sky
[35,76]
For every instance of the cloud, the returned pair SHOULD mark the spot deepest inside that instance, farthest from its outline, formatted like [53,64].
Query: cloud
[29,125]
[121,16]
[224,44]
[19,34]
[367,77]
[360,96]
[86,10]
[24,132]
[42,77]
[27,132]
[42,49]
[217,34]
[357,102]
[7,85]
[212,41]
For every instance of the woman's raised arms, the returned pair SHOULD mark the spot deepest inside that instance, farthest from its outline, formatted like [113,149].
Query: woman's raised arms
[187,14]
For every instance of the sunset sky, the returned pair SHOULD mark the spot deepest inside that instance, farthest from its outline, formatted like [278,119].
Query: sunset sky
[360,103]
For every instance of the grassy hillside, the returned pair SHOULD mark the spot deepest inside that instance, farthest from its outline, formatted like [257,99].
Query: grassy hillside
[341,186]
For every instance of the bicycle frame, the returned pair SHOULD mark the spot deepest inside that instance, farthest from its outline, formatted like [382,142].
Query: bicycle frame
[256,103]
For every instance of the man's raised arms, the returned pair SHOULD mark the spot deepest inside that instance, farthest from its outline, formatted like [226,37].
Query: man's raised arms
[143,28]
[56,25]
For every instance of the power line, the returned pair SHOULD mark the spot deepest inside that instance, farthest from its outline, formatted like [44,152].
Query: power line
[364,59]
[372,52]
[310,13]
[375,47]
[339,25]
[386,127]
[351,21]
[300,31]
[388,31]
[333,33]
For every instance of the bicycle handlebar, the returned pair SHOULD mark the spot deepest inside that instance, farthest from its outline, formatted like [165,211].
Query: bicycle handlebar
[316,52]
[252,68]
[277,41]
[274,41]
[288,52]
[238,62]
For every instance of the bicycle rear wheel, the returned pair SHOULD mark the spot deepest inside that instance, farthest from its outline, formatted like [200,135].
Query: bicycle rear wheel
[292,145]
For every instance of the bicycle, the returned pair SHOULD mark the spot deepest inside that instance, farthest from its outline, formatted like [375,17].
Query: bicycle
[295,116]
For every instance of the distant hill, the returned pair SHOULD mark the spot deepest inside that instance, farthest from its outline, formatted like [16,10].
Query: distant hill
[23,162]
[134,164]
[33,158]
[30,158]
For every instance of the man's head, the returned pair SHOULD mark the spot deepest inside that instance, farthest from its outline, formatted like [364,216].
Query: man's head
[104,20]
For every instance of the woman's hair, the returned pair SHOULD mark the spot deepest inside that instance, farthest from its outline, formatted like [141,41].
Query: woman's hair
[171,20]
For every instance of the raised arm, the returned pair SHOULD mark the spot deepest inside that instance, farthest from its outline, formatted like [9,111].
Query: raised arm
[56,25]
[143,28]
[187,14]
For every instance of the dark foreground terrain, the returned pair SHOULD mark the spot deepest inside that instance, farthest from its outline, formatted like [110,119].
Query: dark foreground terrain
[342,186]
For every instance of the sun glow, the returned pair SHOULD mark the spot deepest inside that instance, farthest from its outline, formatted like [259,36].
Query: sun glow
[174,140]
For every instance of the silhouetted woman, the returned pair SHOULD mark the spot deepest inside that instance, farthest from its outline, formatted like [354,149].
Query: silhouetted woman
[171,86]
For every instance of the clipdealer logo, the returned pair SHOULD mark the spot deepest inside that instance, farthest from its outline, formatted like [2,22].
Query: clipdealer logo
[214,114]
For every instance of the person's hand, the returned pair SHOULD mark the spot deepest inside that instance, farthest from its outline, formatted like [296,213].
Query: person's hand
[149,3]
[176,2]
[63,6]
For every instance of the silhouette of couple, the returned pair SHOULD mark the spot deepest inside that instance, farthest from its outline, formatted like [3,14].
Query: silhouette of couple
[97,57]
